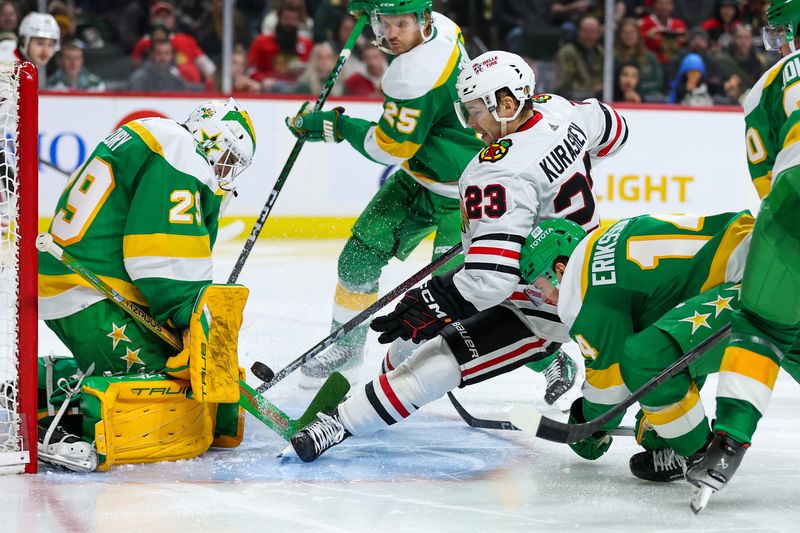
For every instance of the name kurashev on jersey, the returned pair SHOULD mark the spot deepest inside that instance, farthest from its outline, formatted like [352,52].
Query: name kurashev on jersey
[563,155]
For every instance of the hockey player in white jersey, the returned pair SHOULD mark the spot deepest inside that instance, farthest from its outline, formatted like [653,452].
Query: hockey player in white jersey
[478,322]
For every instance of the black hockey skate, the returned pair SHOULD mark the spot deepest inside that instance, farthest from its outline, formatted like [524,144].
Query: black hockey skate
[325,432]
[64,449]
[560,377]
[661,465]
[715,469]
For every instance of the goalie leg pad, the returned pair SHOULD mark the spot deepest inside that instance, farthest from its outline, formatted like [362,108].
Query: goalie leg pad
[229,428]
[144,419]
[210,348]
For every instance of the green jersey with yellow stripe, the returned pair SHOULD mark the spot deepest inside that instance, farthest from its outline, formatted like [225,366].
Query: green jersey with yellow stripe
[624,278]
[142,214]
[419,129]
[772,123]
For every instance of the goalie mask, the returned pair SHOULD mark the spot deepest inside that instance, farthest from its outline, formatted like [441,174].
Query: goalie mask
[484,76]
[224,133]
[548,241]
[41,25]
[381,21]
[783,17]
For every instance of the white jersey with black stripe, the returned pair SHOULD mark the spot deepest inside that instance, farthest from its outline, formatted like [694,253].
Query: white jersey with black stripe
[541,171]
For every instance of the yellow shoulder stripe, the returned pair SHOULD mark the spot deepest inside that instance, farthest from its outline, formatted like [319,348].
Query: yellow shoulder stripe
[448,69]
[166,245]
[605,378]
[773,74]
[55,285]
[732,238]
[405,149]
[148,138]
[763,184]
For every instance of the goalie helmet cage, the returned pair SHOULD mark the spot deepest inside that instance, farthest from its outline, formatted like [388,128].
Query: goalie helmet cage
[18,266]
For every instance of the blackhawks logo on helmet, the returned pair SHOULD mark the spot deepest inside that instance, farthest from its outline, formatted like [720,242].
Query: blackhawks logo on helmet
[495,151]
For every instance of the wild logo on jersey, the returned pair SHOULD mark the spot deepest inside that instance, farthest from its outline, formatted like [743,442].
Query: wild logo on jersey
[495,151]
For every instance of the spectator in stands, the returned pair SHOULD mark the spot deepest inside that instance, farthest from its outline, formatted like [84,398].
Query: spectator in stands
[242,82]
[279,58]
[725,19]
[71,74]
[699,43]
[663,34]
[133,22]
[327,17]
[158,73]
[304,29]
[367,80]
[313,79]
[626,84]
[9,18]
[629,48]
[689,86]
[579,64]
[740,64]
[568,13]
[192,63]
[209,30]
[752,13]
[515,19]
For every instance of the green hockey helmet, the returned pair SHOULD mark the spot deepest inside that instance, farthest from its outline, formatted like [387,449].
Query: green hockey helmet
[548,241]
[783,17]
[421,9]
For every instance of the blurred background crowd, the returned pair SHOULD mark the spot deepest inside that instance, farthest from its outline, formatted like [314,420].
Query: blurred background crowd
[689,52]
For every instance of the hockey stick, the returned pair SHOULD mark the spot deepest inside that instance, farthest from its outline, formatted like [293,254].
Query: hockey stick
[328,397]
[262,371]
[506,425]
[530,420]
[298,145]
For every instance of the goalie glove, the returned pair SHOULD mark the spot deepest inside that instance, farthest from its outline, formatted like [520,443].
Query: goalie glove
[316,125]
[423,312]
[594,446]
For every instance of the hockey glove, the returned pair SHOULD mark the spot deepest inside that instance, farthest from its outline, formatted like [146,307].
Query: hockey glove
[594,446]
[316,125]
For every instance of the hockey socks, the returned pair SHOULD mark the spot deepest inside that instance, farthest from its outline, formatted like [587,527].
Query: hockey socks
[394,396]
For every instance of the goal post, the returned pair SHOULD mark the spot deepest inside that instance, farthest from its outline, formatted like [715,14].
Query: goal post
[18,266]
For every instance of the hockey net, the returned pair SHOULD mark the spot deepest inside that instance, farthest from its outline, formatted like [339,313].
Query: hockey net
[18,266]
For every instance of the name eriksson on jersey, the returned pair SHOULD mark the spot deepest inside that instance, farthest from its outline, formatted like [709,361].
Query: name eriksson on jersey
[563,155]
[603,269]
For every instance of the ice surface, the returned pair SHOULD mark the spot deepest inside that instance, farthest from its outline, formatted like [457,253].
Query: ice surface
[430,473]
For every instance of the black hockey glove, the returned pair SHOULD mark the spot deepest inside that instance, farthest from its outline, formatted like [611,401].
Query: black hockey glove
[423,312]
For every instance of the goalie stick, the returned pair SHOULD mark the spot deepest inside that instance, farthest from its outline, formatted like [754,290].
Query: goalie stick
[328,397]
[507,425]
[298,145]
[531,421]
[261,371]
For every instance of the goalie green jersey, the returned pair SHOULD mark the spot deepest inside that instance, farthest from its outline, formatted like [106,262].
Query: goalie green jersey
[419,129]
[622,279]
[772,122]
[141,213]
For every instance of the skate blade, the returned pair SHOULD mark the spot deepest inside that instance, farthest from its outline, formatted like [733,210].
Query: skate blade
[89,465]
[700,498]
[286,452]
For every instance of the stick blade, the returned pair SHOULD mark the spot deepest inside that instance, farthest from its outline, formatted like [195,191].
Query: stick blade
[525,418]
[327,398]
